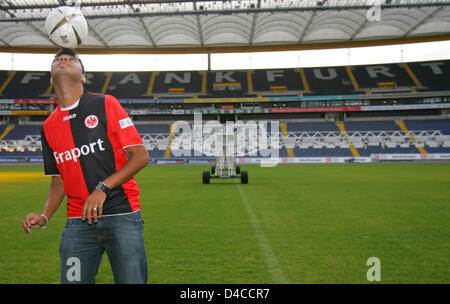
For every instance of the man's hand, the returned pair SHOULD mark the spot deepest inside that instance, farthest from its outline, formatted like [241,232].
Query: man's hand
[32,221]
[54,199]
[95,200]
[138,159]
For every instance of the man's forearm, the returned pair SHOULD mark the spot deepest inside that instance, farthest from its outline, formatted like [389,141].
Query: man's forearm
[55,196]
[138,160]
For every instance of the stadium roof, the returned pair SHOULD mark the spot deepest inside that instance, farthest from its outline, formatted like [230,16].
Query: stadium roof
[161,26]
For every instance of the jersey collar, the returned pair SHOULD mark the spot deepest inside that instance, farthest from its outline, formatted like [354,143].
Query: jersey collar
[73,106]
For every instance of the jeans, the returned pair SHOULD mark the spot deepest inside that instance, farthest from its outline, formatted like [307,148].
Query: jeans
[83,244]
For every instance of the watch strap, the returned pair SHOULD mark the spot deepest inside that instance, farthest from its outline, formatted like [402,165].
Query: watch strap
[102,187]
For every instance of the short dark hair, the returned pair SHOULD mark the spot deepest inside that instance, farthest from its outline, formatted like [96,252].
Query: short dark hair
[72,53]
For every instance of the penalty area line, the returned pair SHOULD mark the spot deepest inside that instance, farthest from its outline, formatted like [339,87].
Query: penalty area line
[272,262]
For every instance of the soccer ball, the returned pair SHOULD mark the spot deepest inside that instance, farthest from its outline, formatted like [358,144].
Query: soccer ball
[66,27]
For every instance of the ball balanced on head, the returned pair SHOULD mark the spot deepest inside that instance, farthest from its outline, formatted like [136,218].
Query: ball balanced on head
[66,27]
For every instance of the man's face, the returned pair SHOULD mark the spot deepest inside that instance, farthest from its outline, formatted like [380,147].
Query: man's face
[67,65]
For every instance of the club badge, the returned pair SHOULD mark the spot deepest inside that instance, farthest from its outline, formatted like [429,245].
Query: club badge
[91,121]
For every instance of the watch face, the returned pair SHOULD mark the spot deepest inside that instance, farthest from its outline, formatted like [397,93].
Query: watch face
[103,187]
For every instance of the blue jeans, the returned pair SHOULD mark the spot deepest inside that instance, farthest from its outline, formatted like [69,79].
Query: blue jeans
[83,244]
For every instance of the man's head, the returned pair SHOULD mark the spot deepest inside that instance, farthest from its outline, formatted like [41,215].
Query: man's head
[67,62]
[71,53]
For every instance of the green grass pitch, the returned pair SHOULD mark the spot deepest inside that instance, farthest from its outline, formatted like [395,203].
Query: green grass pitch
[290,224]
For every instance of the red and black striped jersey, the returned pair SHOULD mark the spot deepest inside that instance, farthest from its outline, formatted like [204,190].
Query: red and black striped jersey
[85,144]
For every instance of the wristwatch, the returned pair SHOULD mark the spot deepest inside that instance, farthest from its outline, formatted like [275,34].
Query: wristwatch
[102,187]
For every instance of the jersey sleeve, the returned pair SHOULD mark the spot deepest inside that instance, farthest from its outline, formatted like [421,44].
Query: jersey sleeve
[50,167]
[121,125]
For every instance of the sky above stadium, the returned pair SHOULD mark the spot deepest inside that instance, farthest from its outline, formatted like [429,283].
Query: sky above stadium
[427,51]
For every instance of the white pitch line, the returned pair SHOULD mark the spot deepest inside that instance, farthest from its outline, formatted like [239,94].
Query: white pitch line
[272,261]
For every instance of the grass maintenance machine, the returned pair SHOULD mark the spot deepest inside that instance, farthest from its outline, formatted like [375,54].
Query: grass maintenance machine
[225,166]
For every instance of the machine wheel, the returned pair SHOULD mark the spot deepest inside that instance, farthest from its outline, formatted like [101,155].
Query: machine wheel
[238,169]
[206,177]
[213,169]
[244,177]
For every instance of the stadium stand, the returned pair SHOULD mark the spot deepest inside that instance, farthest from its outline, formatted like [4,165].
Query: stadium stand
[307,139]
[277,81]
[21,131]
[418,76]
[430,75]
[357,111]
[328,81]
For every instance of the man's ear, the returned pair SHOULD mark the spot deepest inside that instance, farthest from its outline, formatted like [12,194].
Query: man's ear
[83,78]
[51,80]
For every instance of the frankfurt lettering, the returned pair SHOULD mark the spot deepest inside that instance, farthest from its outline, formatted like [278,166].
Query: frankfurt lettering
[75,153]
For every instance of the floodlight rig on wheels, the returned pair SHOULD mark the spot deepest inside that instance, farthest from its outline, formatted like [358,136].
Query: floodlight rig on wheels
[225,166]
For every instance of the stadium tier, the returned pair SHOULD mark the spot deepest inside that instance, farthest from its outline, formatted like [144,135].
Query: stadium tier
[153,129]
[22,131]
[343,112]
[295,139]
[327,93]
[393,78]
[312,127]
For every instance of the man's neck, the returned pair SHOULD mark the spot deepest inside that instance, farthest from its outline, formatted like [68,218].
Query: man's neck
[67,95]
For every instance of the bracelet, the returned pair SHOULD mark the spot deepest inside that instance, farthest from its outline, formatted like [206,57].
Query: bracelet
[46,218]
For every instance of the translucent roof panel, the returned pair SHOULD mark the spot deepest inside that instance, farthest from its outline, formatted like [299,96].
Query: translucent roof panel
[207,23]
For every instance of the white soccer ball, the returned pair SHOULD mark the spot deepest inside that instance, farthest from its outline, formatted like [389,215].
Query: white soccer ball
[66,27]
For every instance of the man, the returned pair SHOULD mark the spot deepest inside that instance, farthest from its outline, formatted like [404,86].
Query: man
[85,143]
